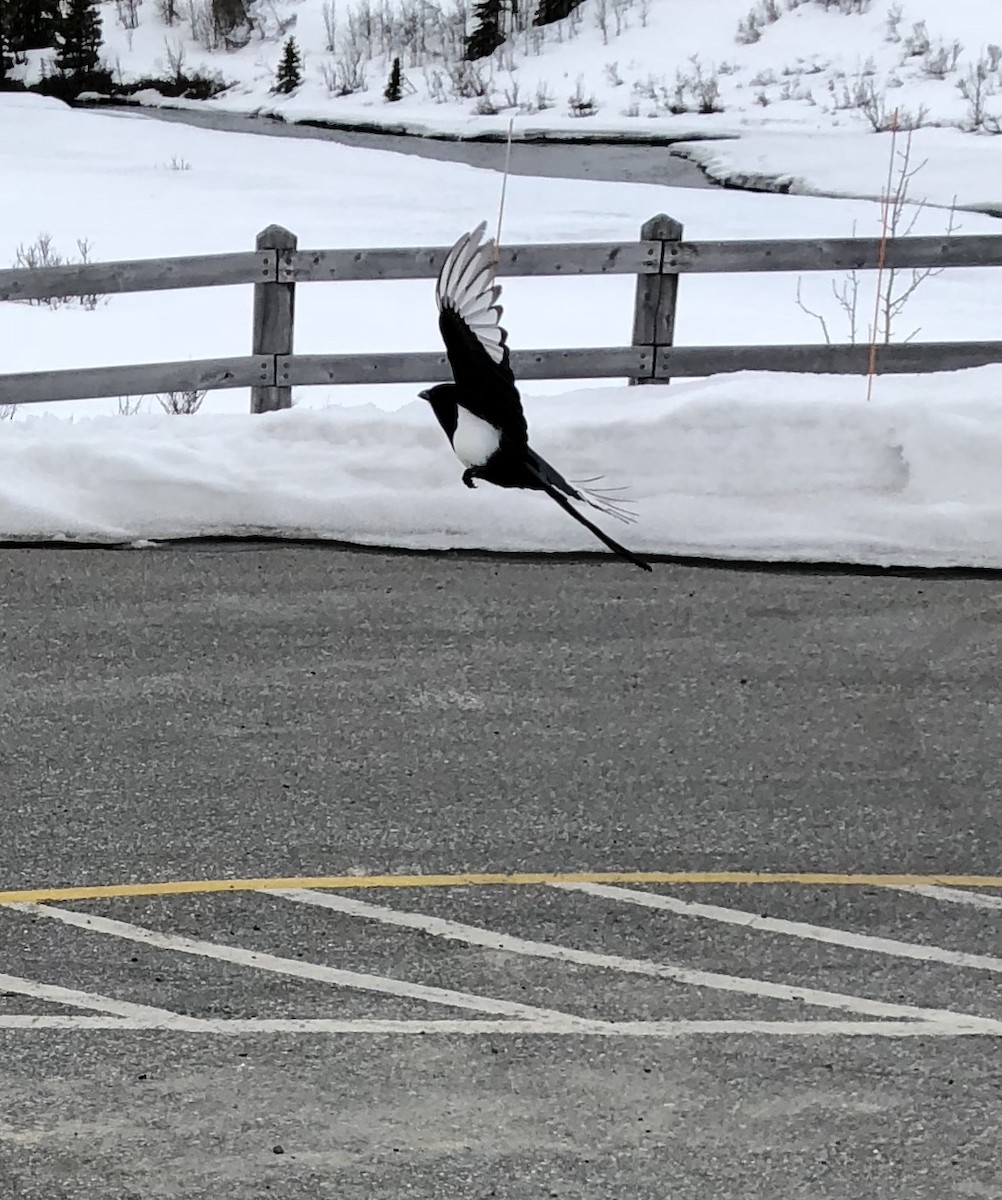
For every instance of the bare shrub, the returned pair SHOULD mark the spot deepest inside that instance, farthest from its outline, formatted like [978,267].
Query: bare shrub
[899,285]
[175,58]
[705,87]
[846,295]
[882,114]
[894,14]
[749,30]
[329,12]
[542,99]
[469,80]
[895,286]
[128,13]
[977,87]
[182,404]
[39,254]
[602,19]
[512,91]
[8,412]
[916,43]
[612,75]
[130,406]
[939,62]
[580,104]
[344,74]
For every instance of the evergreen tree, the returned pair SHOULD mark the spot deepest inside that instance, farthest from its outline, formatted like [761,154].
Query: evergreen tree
[549,11]
[4,38]
[32,24]
[393,87]
[488,33]
[78,40]
[289,75]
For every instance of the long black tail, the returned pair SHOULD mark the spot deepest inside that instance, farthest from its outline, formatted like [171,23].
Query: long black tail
[614,546]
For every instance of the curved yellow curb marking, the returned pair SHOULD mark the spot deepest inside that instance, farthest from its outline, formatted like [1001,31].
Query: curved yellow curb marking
[193,887]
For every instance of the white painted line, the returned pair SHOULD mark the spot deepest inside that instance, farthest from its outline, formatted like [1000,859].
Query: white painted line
[316,972]
[815,933]
[473,935]
[223,1026]
[158,1018]
[953,895]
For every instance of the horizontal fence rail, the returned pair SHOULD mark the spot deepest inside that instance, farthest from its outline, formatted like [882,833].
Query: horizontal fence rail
[299,370]
[657,260]
[93,383]
[139,275]
[582,258]
[831,254]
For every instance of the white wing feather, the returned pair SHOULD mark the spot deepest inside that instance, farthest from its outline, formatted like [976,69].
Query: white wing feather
[466,287]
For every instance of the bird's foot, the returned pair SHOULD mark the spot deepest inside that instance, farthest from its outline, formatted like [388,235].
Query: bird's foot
[468,477]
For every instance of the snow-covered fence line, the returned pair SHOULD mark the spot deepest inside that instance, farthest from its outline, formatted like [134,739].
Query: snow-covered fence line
[658,260]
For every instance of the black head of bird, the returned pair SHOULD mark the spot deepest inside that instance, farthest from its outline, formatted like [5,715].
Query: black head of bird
[481,412]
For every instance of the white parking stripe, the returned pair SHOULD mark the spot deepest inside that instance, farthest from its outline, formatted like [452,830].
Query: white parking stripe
[952,895]
[816,933]
[301,970]
[473,935]
[629,1029]
[160,1018]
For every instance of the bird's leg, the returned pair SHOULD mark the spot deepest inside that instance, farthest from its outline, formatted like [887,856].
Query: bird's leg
[468,477]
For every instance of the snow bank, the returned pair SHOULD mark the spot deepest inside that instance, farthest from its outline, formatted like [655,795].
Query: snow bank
[763,466]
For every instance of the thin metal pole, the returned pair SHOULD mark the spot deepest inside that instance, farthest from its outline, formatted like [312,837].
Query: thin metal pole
[504,190]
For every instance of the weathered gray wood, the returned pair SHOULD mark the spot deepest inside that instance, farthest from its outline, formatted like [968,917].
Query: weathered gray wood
[93,382]
[630,258]
[900,358]
[138,275]
[657,295]
[582,258]
[274,317]
[304,369]
[833,254]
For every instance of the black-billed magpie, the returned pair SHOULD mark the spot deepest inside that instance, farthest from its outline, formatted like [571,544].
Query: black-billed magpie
[481,412]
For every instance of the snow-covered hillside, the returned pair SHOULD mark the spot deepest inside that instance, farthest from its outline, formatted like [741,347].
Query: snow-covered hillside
[643,67]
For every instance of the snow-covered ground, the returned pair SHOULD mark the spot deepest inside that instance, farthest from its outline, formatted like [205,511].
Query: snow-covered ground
[741,466]
[784,72]
[764,465]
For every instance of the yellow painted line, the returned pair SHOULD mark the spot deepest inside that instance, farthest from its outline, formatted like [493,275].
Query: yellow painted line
[194,887]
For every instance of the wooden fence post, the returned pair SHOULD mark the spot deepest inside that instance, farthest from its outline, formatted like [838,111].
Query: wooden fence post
[274,315]
[657,296]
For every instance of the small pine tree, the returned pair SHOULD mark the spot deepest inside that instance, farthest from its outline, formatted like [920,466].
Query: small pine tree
[394,88]
[290,70]
[488,32]
[78,40]
[549,11]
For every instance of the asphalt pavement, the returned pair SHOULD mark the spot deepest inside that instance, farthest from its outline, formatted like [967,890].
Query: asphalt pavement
[212,712]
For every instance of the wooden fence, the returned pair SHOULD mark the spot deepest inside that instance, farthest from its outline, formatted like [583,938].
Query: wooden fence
[658,260]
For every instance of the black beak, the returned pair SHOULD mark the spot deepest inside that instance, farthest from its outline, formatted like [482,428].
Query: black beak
[423,396]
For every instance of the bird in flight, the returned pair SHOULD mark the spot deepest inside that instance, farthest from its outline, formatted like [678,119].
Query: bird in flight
[481,412]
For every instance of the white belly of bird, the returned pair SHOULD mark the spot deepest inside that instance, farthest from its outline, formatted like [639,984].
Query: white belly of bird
[475,439]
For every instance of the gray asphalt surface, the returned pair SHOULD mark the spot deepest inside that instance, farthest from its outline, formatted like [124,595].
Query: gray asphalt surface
[218,711]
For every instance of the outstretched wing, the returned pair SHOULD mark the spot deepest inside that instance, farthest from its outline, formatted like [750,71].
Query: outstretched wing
[476,343]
